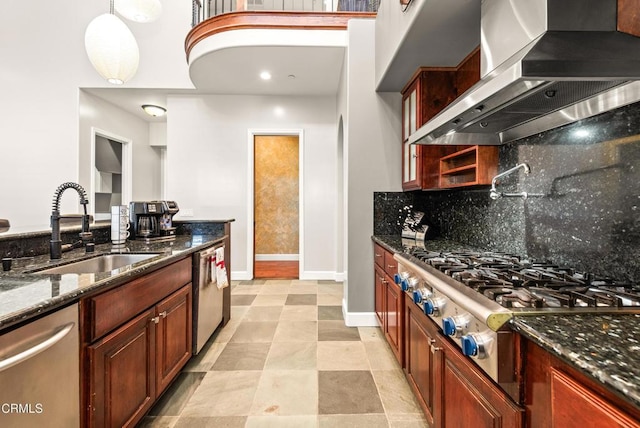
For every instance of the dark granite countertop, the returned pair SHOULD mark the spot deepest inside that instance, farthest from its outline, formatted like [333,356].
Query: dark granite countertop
[26,295]
[604,346]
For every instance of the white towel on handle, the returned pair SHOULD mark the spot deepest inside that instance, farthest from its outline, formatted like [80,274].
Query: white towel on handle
[220,269]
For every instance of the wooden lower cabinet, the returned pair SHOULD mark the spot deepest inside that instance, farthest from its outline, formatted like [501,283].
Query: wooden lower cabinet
[127,362]
[122,380]
[422,360]
[394,310]
[451,390]
[556,395]
[468,395]
[380,294]
[173,339]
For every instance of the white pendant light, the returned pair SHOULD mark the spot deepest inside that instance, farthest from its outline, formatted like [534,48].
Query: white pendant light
[139,10]
[112,49]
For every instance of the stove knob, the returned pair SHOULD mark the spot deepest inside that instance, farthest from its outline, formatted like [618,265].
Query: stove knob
[469,346]
[475,345]
[409,284]
[456,325]
[433,306]
[420,295]
[398,277]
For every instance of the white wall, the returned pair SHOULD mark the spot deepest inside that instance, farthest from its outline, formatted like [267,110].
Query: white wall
[97,113]
[373,158]
[208,166]
[42,65]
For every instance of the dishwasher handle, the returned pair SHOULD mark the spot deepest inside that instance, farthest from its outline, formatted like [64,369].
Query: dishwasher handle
[35,350]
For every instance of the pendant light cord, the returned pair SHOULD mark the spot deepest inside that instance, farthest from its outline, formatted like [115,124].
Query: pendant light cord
[111,7]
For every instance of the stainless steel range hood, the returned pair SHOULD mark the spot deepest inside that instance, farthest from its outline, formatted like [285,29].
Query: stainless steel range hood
[544,63]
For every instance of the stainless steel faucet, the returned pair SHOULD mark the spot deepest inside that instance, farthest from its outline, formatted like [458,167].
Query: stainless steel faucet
[55,245]
[494,194]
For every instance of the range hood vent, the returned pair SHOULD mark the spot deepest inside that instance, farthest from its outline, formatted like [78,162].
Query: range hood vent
[558,61]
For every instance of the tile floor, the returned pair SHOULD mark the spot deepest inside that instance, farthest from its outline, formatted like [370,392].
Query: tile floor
[286,359]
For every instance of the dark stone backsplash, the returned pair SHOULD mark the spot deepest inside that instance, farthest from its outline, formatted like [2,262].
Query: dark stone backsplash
[589,216]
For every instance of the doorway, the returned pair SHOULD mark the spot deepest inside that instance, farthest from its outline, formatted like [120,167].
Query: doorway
[276,207]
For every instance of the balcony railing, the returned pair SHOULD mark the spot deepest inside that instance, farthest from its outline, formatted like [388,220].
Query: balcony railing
[204,9]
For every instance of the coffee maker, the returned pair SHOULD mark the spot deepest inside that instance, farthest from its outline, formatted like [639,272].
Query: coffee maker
[153,220]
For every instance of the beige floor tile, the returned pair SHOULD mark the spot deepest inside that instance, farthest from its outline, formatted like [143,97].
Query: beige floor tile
[342,356]
[158,422]
[242,356]
[247,289]
[304,282]
[263,313]
[275,288]
[302,299]
[371,334]
[206,358]
[400,420]
[270,300]
[296,331]
[394,392]
[347,392]
[380,356]
[224,394]
[353,421]
[329,299]
[303,289]
[242,299]
[337,331]
[330,313]
[286,392]
[212,422]
[335,289]
[278,282]
[224,334]
[251,332]
[299,313]
[282,422]
[292,356]
[238,312]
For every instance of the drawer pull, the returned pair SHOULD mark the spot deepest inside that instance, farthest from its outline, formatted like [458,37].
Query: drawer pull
[156,320]
[163,314]
[391,266]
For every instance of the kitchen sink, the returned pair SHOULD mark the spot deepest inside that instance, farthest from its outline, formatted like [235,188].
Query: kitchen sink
[102,263]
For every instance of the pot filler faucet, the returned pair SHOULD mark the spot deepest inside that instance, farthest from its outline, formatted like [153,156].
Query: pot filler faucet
[494,194]
[55,245]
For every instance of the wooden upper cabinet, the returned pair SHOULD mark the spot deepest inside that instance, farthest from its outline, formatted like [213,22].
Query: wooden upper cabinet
[629,17]
[429,91]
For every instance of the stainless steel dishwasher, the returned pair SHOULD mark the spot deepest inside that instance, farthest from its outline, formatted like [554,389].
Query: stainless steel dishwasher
[207,297]
[40,372]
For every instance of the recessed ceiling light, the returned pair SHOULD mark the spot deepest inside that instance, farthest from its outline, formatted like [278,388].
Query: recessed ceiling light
[153,110]
[265,75]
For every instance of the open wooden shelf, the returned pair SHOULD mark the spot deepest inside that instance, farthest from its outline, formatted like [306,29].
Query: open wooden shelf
[475,165]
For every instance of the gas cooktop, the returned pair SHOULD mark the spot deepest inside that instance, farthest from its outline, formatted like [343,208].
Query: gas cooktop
[514,282]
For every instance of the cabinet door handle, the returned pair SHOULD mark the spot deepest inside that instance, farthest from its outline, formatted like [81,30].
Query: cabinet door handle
[156,320]
[163,314]
[378,255]
[391,266]
[434,348]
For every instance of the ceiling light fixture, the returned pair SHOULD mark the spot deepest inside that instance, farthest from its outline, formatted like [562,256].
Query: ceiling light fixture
[142,11]
[154,110]
[265,75]
[111,48]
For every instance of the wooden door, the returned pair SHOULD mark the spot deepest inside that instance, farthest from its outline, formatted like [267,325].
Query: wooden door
[122,379]
[173,338]
[276,206]
[393,311]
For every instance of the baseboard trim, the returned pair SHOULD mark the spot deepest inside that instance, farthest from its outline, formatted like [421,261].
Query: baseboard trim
[339,277]
[359,319]
[318,275]
[240,276]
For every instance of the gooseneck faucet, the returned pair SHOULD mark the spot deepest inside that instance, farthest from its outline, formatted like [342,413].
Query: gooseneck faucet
[494,194]
[55,245]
